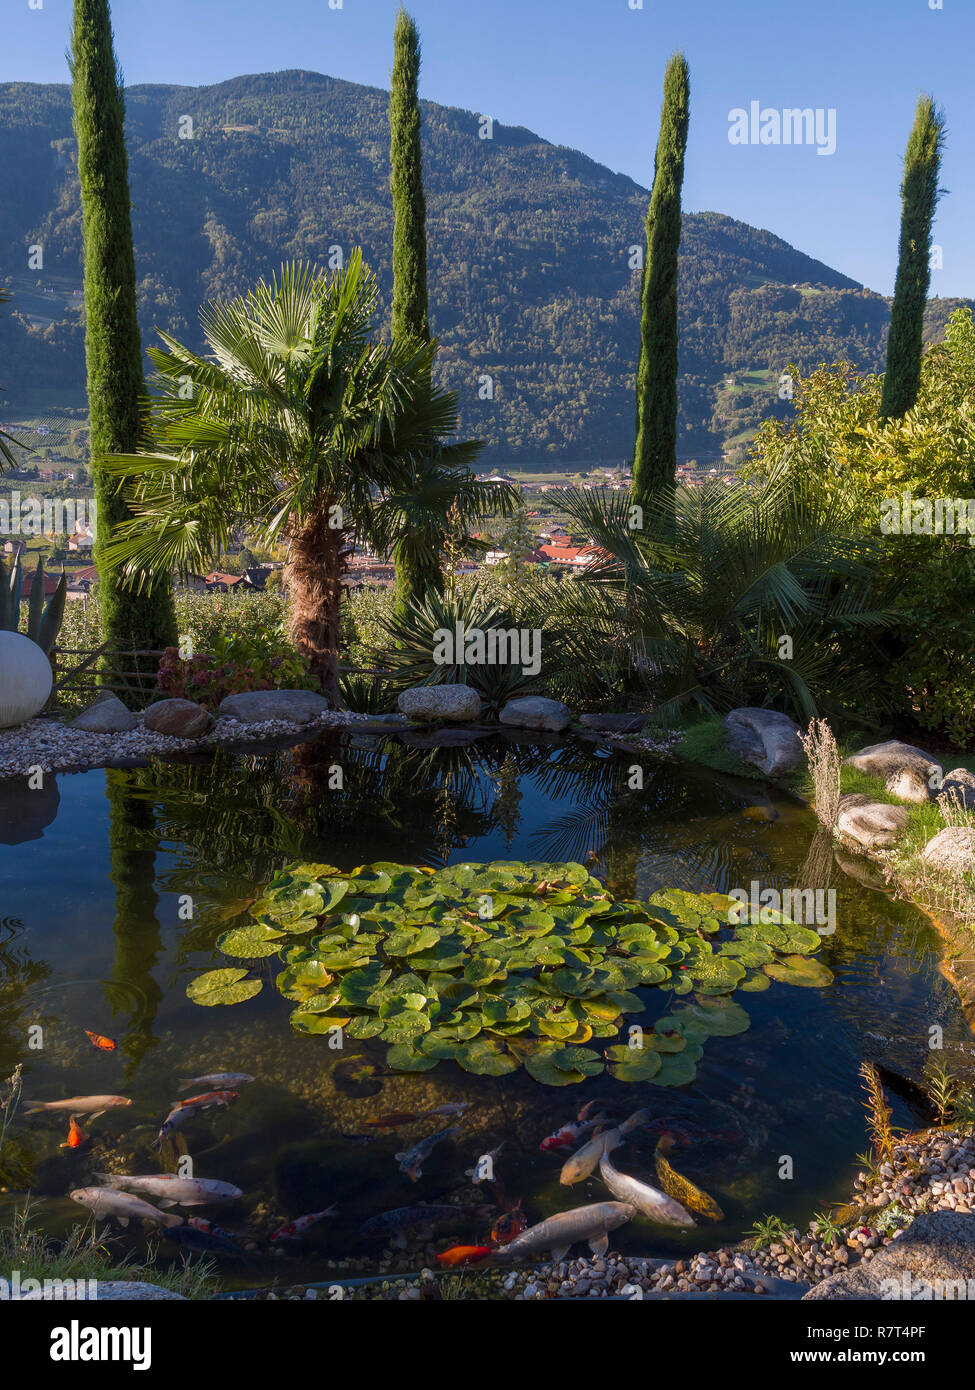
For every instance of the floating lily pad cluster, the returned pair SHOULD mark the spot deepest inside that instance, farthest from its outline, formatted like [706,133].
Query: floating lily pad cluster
[502,965]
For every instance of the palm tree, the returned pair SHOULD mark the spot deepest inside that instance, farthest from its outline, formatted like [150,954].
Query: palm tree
[693,608]
[294,427]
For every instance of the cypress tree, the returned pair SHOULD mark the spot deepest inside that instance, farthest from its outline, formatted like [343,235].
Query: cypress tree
[113,352]
[655,454]
[410,315]
[919,199]
[410,320]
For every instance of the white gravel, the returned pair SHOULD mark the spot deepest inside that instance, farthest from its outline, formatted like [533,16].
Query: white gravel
[51,746]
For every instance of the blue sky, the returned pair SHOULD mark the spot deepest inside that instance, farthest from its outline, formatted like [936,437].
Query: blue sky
[587,73]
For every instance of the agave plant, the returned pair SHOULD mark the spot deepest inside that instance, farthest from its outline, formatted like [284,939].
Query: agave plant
[43,621]
[411,657]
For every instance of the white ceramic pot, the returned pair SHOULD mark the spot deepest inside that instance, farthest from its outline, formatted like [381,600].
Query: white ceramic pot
[25,679]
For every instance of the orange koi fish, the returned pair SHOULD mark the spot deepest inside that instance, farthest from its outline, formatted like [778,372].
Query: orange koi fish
[464,1255]
[76,1135]
[102,1043]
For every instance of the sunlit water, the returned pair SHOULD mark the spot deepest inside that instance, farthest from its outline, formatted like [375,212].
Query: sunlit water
[96,873]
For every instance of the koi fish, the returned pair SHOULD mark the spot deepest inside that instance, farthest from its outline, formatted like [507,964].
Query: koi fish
[680,1188]
[207,1100]
[184,1111]
[293,1229]
[395,1119]
[92,1106]
[175,1191]
[192,1241]
[122,1206]
[76,1135]
[411,1160]
[565,1137]
[200,1223]
[508,1225]
[217,1081]
[464,1255]
[559,1233]
[654,1205]
[420,1214]
[450,1107]
[102,1043]
[482,1172]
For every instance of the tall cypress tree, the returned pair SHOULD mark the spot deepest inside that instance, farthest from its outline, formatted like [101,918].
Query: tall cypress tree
[410,308]
[410,316]
[655,455]
[113,351]
[919,199]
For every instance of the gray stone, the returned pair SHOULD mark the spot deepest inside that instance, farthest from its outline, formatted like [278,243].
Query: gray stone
[934,1259]
[905,770]
[872,824]
[959,785]
[454,703]
[766,739]
[614,723]
[442,738]
[536,712]
[106,1290]
[952,849]
[107,715]
[178,718]
[261,706]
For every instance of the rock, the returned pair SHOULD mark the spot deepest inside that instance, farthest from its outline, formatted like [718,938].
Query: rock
[614,723]
[872,824]
[766,739]
[179,718]
[442,738]
[106,716]
[261,706]
[105,1290]
[906,771]
[536,712]
[952,849]
[455,703]
[25,679]
[934,1258]
[959,785]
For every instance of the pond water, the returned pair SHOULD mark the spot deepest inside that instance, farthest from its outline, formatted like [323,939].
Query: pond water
[97,870]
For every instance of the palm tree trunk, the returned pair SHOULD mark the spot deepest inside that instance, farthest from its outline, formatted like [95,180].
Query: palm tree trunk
[313,577]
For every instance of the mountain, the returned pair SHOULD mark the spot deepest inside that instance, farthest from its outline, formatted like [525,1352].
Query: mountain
[532,292]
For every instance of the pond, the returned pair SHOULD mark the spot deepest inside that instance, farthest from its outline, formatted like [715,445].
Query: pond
[117,884]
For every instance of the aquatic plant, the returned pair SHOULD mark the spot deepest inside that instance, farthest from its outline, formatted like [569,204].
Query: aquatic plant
[508,964]
[879,1113]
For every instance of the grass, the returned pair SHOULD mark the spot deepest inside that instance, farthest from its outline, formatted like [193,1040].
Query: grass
[85,1254]
[704,742]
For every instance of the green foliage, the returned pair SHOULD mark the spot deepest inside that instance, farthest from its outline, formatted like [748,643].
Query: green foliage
[43,622]
[501,965]
[233,664]
[132,621]
[409,315]
[919,192]
[655,455]
[692,605]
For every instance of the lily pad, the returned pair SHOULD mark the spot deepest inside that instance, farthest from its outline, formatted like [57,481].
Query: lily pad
[222,987]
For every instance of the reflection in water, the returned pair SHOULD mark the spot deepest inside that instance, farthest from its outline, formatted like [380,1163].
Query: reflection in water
[299,1138]
[25,811]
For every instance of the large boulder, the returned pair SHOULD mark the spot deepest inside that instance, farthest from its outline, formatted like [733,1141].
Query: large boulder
[103,1291]
[952,849]
[263,706]
[178,718]
[907,772]
[872,824]
[536,712]
[25,679]
[959,785]
[933,1259]
[766,739]
[457,704]
[107,715]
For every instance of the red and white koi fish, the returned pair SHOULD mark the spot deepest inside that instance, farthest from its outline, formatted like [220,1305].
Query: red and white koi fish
[293,1230]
